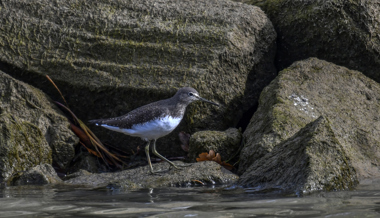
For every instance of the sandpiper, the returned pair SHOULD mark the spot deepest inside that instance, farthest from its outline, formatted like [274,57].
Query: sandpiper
[154,120]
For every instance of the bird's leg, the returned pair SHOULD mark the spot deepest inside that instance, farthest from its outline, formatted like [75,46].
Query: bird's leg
[147,156]
[160,156]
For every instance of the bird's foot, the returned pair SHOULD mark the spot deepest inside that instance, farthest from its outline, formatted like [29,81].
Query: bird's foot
[179,167]
[159,172]
[175,166]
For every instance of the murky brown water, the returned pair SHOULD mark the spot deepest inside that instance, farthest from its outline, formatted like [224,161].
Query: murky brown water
[34,201]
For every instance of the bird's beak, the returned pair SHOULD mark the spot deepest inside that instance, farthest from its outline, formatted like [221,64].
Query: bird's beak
[205,100]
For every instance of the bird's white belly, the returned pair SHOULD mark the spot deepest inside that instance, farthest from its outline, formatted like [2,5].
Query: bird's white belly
[153,129]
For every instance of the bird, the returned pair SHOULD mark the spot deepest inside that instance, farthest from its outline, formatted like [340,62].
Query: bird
[155,120]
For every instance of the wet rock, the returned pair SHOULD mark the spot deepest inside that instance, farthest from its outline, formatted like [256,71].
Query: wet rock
[311,160]
[33,130]
[38,175]
[207,172]
[109,57]
[342,32]
[226,143]
[309,89]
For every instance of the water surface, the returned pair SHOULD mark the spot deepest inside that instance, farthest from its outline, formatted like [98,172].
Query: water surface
[45,201]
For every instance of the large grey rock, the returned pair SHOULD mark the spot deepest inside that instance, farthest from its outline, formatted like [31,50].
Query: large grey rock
[208,172]
[311,160]
[309,89]
[39,175]
[110,57]
[33,130]
[22,146]
[343,32]
[226,143]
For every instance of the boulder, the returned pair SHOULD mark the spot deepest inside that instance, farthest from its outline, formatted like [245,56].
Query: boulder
[206,172]
[226,143]
[311,160]
[111,57]
[34,130]
[38,175]
[22,146]
[309,89]
[342,32]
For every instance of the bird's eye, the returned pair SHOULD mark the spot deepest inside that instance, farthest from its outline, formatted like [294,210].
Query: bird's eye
[191,94]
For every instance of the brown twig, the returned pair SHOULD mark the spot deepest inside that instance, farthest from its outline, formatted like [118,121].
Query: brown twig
[87,136]
[56,87]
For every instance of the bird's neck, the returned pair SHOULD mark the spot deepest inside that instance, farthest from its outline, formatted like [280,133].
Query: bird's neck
[180,109]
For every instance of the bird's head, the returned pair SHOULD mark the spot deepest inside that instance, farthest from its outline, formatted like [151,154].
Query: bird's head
[187,95]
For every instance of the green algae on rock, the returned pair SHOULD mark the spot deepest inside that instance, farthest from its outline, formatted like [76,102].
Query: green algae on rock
[226,143]
[311,160]
[110,57]
[343,32]
[309,89]
[34,131]
[22,146]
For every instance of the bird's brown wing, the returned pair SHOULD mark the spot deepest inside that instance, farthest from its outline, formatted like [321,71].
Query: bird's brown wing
[139,115]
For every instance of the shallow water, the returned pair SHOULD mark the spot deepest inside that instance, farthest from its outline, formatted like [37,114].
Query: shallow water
[45,201]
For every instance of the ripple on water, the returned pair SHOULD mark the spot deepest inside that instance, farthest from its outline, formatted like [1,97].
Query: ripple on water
[185,202]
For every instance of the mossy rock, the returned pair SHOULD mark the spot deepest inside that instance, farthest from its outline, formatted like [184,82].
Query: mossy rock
[109,57]
[226,143]
[33,127]
[343,32]
[309,89]
[311,160]
[22,146]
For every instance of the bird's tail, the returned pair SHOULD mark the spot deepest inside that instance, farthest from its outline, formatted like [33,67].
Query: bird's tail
[96,122]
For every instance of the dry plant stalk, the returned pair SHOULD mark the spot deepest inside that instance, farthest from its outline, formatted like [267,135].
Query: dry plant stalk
[87,137]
